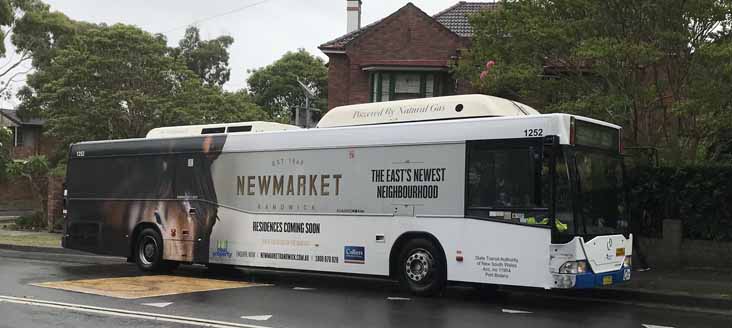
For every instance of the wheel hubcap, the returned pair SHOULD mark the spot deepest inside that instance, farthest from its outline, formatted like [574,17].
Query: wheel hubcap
[148,249]
[418,265]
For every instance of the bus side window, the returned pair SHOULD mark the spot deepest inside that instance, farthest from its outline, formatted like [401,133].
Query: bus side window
[500,178]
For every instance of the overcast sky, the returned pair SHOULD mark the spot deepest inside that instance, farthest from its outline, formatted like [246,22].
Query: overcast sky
[262,33]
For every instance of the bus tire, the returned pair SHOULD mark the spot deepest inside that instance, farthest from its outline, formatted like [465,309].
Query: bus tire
[149,252]
[422,267]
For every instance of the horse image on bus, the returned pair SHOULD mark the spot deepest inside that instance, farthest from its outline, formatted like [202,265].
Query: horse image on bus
[466,189]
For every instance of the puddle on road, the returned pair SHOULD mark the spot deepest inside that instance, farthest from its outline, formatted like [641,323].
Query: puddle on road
[145,286]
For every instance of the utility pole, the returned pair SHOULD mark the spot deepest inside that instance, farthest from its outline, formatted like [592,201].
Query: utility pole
[309,94]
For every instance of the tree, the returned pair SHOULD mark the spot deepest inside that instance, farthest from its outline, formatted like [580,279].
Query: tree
[34,32]
[35,171]
[5,143]
[275,86]
[209,59]
[112,82]
[636,64]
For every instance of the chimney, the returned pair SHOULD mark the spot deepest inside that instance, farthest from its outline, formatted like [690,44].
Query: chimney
[353,10]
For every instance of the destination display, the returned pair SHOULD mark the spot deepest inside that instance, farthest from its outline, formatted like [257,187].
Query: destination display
[594,135]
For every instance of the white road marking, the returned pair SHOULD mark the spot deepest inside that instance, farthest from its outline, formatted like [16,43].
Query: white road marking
[125,313]
[399,298]
[303,288]
[514,311]
[159,305]
[655,326]
[264,317]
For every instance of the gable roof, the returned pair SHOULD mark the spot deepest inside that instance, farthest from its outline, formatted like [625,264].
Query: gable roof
[12,115]
[454,19]
[341,42]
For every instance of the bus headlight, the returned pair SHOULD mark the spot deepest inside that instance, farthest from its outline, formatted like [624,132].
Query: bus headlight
[574,267]
[628,261]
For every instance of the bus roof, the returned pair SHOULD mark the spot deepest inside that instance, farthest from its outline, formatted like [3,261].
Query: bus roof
[424,109]
[195,130]
[439,131]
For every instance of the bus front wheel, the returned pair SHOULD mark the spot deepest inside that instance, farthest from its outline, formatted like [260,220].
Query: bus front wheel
[149,252]
[422,267]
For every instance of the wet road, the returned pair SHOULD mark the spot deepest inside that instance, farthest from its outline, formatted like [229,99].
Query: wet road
[294,300]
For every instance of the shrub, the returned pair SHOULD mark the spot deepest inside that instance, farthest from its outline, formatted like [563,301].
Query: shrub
[34,221]
[699,196]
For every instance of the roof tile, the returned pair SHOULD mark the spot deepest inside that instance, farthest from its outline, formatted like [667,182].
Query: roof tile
[454,18]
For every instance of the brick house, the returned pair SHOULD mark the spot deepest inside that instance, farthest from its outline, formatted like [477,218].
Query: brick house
[402,56]
[28,139]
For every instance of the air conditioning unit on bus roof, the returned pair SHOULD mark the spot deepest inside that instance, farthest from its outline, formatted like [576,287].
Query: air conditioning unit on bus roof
[424,109]
[412,110]
[196,130]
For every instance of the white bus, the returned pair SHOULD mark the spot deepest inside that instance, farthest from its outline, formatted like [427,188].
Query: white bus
[470,188]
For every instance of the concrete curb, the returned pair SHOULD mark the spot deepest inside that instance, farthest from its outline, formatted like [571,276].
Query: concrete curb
[40,249]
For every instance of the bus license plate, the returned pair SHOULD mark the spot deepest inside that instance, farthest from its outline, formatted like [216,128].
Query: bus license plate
[607,280]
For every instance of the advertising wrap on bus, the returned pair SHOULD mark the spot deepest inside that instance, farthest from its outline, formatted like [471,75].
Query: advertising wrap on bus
[378,180]
[477,200]
[268,196]
[354,195]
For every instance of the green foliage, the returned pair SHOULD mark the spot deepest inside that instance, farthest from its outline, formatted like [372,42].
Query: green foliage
[58,171]
[35,167]
[209,59]
[659,68]
[38,31]
[34,221]
[6,19]
[5,145]
[35,171]
[112,82]
[275,86]
[699,196]
[34,31]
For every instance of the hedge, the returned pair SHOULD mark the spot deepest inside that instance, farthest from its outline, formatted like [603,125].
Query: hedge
[700,196]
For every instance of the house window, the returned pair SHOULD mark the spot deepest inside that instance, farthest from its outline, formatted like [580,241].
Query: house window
[18,137]
[387,86]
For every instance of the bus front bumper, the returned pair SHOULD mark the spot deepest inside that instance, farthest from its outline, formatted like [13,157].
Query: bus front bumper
[591,280]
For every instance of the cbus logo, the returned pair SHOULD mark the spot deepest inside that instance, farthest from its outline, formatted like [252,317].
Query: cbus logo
[222,249]
[354,254]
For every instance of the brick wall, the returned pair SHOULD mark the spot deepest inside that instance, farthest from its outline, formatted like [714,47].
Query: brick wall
[338,81]
[55,200]
[16,193]
[705,253]
[47,146]
[21,152]
[409,34]
[672,251]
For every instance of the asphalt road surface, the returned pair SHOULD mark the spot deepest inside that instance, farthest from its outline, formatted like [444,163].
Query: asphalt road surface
[287,299]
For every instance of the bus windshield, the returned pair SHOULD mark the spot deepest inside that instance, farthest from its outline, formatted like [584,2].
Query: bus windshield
[601,199]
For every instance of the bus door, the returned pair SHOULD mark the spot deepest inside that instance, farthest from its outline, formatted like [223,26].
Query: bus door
[196,203]
[182,217]
[504,181]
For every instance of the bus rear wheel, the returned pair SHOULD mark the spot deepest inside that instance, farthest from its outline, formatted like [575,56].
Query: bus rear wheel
[422,268]
[149,252]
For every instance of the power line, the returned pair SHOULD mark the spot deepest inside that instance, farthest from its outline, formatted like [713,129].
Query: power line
[217,16]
